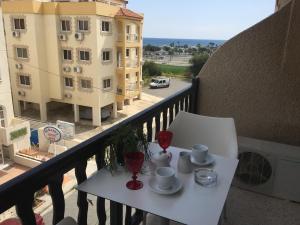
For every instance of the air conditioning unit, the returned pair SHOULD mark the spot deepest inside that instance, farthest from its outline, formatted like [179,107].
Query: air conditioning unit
[79,36]
[21,93]
[62,37]
[16,33]
[77,69]
[269,168]
[19,66]
[67,69]
[68,95]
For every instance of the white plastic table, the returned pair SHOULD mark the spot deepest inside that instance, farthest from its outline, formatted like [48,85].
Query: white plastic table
[193,205]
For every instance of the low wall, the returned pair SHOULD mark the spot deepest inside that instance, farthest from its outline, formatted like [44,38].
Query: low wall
[255,78]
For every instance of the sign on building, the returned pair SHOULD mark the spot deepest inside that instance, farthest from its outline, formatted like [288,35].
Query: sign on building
[68,129]
[52,133]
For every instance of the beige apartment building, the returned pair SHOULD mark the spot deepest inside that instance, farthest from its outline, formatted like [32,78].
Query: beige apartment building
[82,56]
[14,133]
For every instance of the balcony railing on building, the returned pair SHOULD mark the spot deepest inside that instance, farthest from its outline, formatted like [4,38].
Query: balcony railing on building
[132,37]
[130,63]
[129,37]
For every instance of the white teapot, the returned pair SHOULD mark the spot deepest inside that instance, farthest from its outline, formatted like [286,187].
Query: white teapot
[162,159]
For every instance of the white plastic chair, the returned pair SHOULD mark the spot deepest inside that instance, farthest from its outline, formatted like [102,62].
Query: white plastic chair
[67,221]
[218,134]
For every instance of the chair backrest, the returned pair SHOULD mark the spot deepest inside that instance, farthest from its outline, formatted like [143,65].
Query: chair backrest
[218,134]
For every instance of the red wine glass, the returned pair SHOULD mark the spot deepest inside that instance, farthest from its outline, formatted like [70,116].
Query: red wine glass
[134,162]
[164,139]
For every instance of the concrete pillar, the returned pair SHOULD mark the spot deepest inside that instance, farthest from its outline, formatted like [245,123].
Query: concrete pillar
[120,105]
[43,112]
[130,101]
[114,111]
[96,116]
[139,97]
[76,113]
[17,107]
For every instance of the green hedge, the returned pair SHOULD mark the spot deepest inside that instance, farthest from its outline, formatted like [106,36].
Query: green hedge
[18,133]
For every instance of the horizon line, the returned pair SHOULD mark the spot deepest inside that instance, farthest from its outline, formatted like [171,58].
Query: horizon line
[213,39]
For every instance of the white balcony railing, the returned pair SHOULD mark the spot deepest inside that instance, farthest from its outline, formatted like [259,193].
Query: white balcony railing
[132,63]
[132,37]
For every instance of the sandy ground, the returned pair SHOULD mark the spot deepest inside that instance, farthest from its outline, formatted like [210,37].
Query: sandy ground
[182,60]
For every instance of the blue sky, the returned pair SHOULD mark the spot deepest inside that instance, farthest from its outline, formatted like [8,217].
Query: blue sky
[200,19]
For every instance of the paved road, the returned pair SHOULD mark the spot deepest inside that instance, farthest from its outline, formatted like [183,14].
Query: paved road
[176,85]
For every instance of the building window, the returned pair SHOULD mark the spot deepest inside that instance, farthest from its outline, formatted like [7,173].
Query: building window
[22,53]
[2,116]
[127,52]
[19,23]
[137,74]
[69,82]
[85,84]
[84,55]
[106,26]
[67,54]
[65,25]
[136,52]
[106,55]
[83,25]
[127,76]
[24,80]
[106,83]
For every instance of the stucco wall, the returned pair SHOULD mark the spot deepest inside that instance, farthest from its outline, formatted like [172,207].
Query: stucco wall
[5,91]
[255,78]
[281,3]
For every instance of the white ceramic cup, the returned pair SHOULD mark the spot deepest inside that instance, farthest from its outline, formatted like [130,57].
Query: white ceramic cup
[165,177]
[199,152]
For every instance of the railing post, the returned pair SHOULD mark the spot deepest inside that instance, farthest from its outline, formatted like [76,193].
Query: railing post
[116,213]
[82,203]
[25,211]
[194,95]
[101,201]
[58,200]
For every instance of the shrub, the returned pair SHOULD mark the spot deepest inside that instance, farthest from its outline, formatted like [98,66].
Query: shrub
[151,69]
[197,62]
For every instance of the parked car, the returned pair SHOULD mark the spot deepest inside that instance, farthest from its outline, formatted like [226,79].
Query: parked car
[160,82]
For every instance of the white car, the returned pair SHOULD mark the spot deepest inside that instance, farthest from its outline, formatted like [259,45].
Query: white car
[160,82]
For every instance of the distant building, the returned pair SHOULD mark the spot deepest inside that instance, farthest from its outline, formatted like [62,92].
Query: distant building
[14,133]
[84,55]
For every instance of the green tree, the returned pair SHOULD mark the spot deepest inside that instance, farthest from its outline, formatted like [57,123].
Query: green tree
[166,48]
[197,62]
[152,48]
[151,69]
[171,53]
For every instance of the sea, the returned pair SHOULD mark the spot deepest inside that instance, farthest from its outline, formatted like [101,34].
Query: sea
[181,42]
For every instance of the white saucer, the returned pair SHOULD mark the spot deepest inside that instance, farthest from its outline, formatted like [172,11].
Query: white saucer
[209,160]
[176,186]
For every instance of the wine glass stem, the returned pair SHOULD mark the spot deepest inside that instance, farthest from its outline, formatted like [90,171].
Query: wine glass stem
[134,177]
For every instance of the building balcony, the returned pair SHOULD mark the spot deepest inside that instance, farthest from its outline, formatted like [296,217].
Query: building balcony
[17,129]
[130,65]
[132,40]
